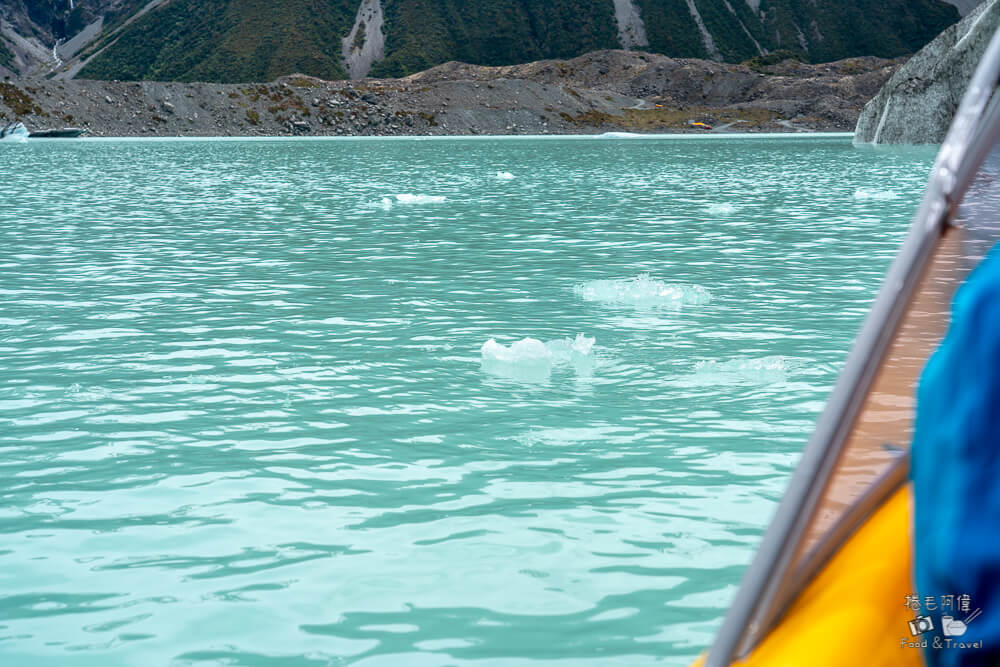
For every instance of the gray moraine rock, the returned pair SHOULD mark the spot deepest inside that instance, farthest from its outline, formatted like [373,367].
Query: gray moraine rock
[917,104]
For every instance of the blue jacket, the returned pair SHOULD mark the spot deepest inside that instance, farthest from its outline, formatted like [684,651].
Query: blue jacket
[956,473]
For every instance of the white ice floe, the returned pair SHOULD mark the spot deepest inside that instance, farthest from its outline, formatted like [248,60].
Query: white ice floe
[644,292]
[582,344]
[873,194]
[504,176]
[527,349]
[420,199]
[620,135]
[530,359]
[566,349]
[741,370]
[721,209]
[14,132]
[570,435]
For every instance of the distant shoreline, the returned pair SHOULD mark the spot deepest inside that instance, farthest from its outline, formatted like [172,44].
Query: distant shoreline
[605,91]
[786,134]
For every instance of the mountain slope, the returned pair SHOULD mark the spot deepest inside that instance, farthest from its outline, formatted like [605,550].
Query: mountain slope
[30,30]
[888,28]
[255,40]
[421,33]
[228,40]
[424,33]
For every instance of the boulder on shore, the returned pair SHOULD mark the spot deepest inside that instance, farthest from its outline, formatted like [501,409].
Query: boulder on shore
[917,104]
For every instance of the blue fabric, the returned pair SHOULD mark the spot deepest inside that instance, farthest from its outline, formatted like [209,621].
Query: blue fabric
[956,470]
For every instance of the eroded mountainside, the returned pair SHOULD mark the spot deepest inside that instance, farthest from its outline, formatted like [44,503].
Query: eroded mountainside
[36,35]
[256,40]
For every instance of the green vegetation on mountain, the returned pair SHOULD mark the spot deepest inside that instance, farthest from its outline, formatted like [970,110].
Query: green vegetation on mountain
[671,29]
[256,40]
[885,28]
[229,40]
[424,33]
[727,30]
[114,13]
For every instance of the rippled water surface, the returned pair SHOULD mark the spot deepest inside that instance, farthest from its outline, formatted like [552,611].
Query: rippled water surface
[247,416]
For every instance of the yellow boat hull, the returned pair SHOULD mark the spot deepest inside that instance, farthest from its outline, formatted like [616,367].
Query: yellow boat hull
[853,612]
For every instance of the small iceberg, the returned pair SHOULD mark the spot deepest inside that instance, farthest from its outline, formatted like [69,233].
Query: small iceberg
[504,176]
[575,352]
[739,371]
[871,194]
[420,199]
[529,350]
[643,292]
[14,132]
[529,359]
[620,135]
[582,345]
[721,209]
[567,349]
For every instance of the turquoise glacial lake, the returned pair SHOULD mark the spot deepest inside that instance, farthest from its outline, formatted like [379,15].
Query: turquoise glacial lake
[250,413]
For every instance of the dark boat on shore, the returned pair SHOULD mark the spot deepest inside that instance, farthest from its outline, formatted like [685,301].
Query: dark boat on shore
[64,133]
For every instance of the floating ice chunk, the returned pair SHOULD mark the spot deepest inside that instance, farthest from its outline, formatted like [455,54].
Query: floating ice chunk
[564,349]
[527,359]
[741,370]
[583,345]
[580,357]
[721,209]
[420,199]
[875,195]
[531,359]
[526,349]
[14,133]
[605,435]
[643,291]
[620,135]
[504,176]
[560,349]
[575,352]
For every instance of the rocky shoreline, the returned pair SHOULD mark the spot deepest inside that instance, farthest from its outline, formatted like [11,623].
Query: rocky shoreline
[602,91]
